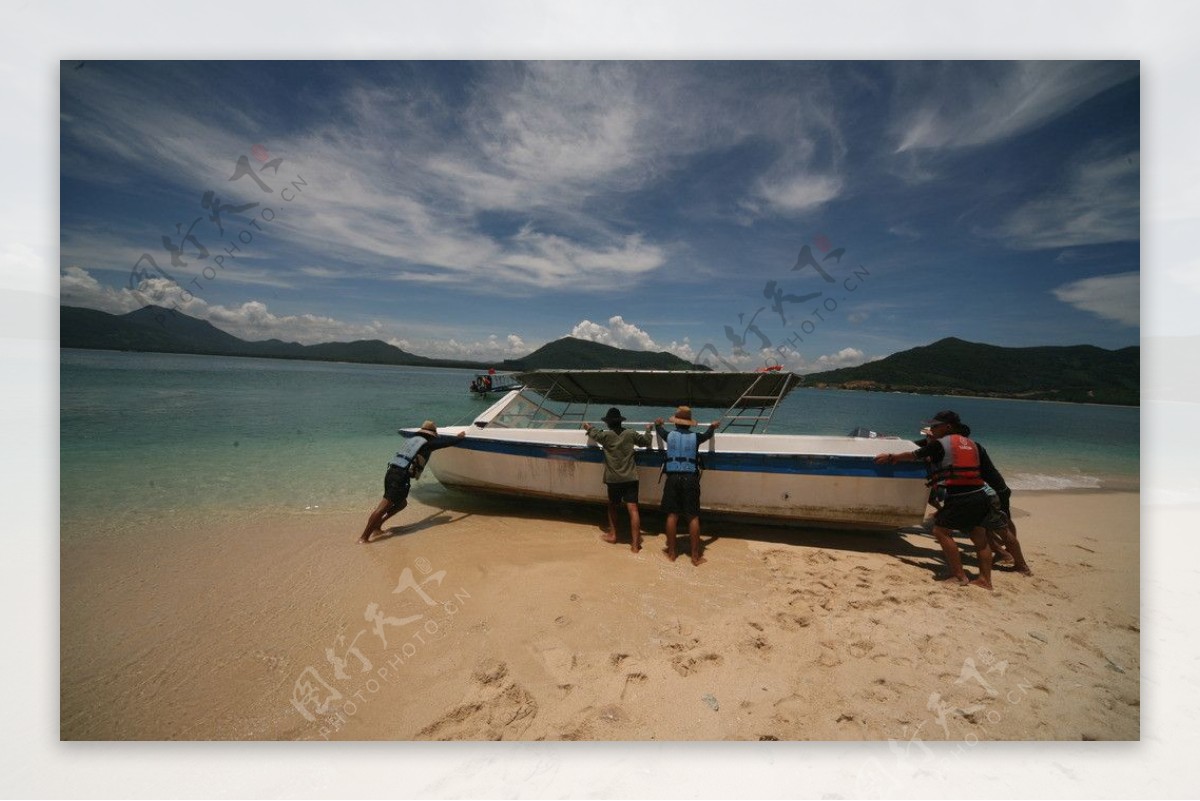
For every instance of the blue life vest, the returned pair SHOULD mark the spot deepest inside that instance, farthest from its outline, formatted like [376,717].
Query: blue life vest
[406,458]
[681,452]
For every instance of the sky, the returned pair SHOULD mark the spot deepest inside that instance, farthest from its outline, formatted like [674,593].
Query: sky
[814,214]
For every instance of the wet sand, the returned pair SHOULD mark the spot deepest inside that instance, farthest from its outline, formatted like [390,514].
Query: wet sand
[477,619]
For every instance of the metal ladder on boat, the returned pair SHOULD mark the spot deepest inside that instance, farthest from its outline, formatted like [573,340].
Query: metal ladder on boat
[751,409]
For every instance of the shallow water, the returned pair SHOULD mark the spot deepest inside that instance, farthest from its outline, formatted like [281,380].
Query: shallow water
[147,436]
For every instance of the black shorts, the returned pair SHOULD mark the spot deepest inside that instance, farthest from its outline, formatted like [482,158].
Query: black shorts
[396,484]
[964,512]
[1005,496]
[624,492]
[681,494]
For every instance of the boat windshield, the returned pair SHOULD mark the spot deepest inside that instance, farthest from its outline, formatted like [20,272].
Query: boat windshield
[568,398]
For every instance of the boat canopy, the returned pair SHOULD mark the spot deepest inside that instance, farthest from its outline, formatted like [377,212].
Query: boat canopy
[701,389]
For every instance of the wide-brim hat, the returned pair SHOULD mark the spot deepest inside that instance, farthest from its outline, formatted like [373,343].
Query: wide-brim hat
[613,415]
[428,429]
[683,416]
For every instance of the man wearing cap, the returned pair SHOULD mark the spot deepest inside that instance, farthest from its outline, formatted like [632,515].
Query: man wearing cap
[681,494]
[407,464]
[620,472]
[955,461]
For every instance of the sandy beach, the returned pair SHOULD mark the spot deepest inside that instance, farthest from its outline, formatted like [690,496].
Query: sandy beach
[483,619]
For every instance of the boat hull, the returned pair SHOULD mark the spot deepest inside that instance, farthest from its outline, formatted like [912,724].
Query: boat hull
[834,482]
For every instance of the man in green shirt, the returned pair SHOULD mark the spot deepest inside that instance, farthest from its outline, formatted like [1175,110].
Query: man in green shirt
[620,472]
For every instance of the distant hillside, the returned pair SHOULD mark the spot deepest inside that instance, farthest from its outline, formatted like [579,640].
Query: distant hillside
[156,330]
[1080,373]
[580,354]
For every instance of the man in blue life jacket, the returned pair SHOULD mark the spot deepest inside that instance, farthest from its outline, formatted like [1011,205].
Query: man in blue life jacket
[620,472]
[966,506]
[406,465]
[681,494]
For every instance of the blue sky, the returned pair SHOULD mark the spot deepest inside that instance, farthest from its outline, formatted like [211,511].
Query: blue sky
[481,209]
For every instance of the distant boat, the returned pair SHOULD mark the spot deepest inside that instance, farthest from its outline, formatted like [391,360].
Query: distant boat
[485,384]
[530,443]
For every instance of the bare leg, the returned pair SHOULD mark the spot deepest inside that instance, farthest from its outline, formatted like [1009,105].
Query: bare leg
[382,512]
[635,527]
[997,541]
[979,537]
[1014,547]
[672,521]
[953,557]
[611,536]
[694,536]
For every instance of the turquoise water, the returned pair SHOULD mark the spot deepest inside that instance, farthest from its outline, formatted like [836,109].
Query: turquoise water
[154,434]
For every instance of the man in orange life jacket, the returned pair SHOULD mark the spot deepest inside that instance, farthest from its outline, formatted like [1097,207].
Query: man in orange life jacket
[955,461]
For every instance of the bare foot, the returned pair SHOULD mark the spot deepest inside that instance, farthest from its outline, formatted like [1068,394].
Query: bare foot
[958,580]
[669,554]
[636,547]
[979,582]
[1002,558]
[609,537]
[698,560]
[1024,570]
[365,538]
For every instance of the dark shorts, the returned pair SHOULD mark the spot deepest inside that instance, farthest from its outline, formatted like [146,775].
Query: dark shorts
[997,517]
[681,494]
[625,492]
[964,512]
[1005,496]
[396,484]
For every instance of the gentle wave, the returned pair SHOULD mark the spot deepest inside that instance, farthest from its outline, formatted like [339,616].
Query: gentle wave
[1041,481]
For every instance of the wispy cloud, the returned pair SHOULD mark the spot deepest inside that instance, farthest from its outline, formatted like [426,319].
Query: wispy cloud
[1099,202]
[402,180]
[962,105]
[1113,297]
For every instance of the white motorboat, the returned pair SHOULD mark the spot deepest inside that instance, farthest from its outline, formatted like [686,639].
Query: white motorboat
[531,443]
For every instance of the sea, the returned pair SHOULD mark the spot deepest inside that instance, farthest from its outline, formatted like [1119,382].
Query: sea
[147,437]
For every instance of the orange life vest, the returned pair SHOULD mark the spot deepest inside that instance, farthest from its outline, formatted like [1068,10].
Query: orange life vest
[959,466]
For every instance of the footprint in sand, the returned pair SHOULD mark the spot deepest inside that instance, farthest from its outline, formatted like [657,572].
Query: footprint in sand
[757,646]
[686,665]
[496,708]
[792,622]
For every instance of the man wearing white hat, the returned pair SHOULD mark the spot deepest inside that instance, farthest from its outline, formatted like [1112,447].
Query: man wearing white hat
[406,465]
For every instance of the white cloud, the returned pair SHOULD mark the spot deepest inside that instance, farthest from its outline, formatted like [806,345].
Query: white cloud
[1099,203]
[399,178]
[788,357]
[963,105]
[1113,297]
[78,288]
[621,334]
[795,194]
[253,320]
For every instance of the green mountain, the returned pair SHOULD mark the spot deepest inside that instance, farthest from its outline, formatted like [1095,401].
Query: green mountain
[157,330]
[1079,373]
[570,353]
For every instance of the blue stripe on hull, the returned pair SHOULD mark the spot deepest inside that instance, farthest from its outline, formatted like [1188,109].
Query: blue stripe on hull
[795,464]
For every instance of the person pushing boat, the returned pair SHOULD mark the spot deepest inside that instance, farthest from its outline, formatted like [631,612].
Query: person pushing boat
[620,472]
[405,466]
[681,493]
